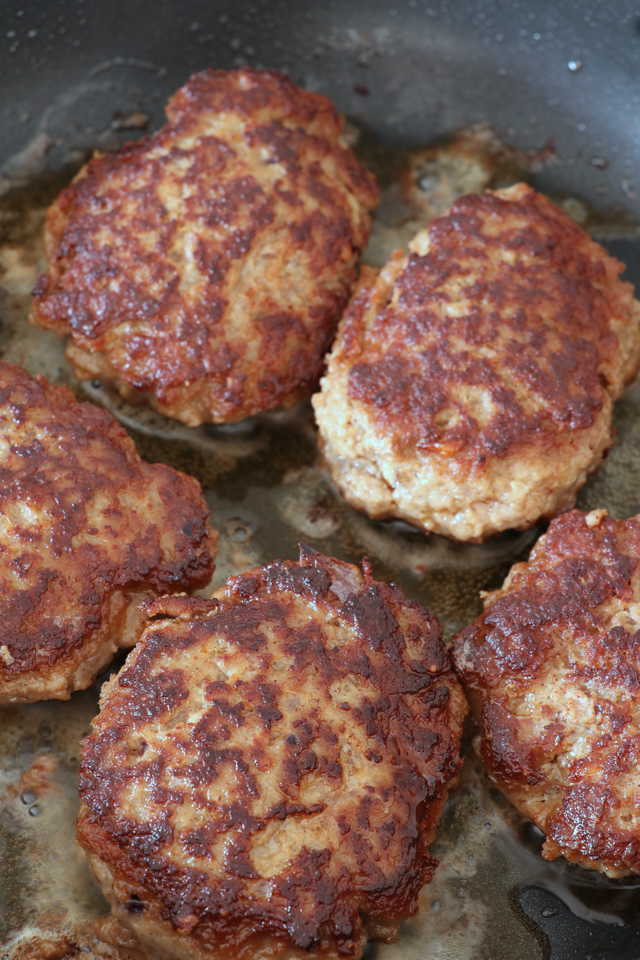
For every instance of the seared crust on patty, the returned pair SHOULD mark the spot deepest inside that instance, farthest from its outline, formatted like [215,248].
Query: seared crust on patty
[204,268]
[552,669]
[471,384]
[267,770]
[87,532]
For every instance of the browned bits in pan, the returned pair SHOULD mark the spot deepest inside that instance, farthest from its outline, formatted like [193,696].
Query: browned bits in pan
[267,770]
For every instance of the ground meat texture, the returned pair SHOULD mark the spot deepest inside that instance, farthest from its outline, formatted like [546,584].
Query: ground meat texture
[267,770]
[552,669]
[471,385]
[87,532]
[204,268]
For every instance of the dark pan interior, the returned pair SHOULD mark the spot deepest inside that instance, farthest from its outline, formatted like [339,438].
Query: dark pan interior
[66,67]
[76,75]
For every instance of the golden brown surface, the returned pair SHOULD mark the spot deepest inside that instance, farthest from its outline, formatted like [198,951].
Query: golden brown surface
[204,268]
[471,384]
[87,530]
[267,770]
[552,669]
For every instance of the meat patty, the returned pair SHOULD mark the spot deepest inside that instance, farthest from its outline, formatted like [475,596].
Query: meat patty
[268,768]
[87,531]
[552,669]
[471,385]
[204,268]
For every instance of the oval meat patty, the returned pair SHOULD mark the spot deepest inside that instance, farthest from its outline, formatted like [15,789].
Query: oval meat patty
[471,384]
[87,531]
[268,768]
[204,268]
[552,669]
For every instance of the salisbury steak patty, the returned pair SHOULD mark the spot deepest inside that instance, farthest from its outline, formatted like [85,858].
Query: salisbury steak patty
[267,770]
[204,268]
[471,384]
[552,669]
[87,531]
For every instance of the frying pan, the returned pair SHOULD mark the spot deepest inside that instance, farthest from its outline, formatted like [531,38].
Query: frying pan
[76,75]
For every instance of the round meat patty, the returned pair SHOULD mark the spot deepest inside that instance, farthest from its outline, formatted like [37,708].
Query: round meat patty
[471,384]
[87,532]
[204,268]
[268,768]
[552,670]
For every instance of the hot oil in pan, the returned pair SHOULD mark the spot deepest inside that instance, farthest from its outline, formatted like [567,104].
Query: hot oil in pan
[267,490]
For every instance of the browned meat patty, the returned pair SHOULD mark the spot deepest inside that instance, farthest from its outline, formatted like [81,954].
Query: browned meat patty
[552,669]
[204,268]
[267,770]
[87,531]
[471,385]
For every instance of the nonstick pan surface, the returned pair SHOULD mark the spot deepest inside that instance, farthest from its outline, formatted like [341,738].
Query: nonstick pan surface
[560,82]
